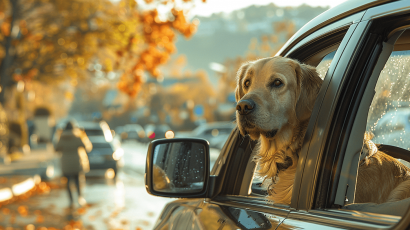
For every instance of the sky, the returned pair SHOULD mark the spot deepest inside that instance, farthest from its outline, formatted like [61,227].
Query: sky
[227,6]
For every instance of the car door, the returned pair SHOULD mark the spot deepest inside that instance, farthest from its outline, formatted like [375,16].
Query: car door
[237,192]
[326,184]
[225,209]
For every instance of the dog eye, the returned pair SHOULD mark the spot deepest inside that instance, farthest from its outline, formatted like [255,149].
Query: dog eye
[247,83]
[277,83]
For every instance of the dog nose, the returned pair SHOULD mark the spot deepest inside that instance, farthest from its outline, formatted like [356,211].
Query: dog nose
[245,107]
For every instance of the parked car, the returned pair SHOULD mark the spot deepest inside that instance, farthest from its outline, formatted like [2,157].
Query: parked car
[96,129]
[154,132]
[216,133]
[105,155]
[394,127]
[132,132]
[361,50]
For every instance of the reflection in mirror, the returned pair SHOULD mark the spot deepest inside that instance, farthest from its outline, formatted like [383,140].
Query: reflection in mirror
[179,167]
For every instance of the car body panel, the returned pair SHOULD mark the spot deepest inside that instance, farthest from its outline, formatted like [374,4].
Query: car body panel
[391,9]
[336,219]
[332,15]
[200,214]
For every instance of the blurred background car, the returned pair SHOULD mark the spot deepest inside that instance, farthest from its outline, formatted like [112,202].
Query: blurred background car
[105,155]
[393,128]
[158,131]
[131,132]
[96,129]
[216,133]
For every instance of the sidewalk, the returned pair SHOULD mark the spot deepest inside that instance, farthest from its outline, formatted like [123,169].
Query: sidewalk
[43,162]
[22,175]
[14,186]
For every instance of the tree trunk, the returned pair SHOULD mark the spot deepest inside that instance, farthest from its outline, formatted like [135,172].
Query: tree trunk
[5,75]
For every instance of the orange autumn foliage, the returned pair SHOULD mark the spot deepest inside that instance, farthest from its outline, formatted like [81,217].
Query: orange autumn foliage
[159,37]
[57,40]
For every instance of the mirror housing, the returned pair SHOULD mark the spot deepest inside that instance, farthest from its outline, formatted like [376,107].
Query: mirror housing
[178,168]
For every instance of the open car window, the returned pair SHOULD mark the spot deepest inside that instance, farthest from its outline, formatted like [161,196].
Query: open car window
[260,184]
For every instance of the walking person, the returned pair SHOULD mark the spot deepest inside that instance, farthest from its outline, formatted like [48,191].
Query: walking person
[73,144]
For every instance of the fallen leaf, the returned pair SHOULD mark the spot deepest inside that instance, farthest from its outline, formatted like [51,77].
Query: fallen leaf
[6,211]
[30,227]
[40,219]
[124,222]
[22,210]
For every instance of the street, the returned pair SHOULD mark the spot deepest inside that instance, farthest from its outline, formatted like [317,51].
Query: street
[120,204]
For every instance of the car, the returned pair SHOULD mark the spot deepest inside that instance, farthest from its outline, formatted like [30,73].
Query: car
[394,127]
[96,129]
[132,132]
[215,132]
[105,155]
[154,132]
[361,51]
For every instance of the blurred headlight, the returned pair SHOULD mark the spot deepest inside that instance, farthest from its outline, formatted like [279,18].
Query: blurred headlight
[215,132]
[118,154]
[169,134]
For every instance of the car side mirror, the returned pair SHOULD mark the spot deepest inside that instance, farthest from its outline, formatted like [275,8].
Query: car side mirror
[177,167]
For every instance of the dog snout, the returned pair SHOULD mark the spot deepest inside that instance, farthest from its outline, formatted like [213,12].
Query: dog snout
[245,107]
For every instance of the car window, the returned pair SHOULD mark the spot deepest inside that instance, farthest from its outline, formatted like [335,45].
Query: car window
[259,184]
[94,132]
[389,113]
[102,145]
[387,129]
[325,64]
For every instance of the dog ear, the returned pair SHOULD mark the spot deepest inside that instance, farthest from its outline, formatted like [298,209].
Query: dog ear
[309,84]
[239,76]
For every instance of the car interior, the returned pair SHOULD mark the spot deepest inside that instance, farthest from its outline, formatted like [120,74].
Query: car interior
[379,98]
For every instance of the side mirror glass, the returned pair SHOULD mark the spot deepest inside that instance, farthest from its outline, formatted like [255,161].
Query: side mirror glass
[177,167]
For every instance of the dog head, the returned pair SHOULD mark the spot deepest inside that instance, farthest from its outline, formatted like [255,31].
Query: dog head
[274,95]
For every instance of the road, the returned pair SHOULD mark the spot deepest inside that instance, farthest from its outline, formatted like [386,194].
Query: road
[120,204]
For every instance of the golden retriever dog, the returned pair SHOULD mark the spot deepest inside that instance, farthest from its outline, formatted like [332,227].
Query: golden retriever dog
[160,179]
[275,97]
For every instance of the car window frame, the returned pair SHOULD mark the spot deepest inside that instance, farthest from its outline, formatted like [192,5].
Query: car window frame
[305,179]
[221,172]
[405,220]
[376,69]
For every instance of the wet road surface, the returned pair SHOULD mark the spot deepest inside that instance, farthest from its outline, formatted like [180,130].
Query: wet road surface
[111,204]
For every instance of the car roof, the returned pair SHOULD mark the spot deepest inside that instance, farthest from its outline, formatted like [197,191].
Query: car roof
[334,14]
[98,139]
[89,125]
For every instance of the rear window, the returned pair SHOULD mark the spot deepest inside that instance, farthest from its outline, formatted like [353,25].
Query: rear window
[102,145]
[94,132]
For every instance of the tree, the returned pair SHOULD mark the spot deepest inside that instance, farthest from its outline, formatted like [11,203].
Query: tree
[270,44]
[46,42]
[51,40]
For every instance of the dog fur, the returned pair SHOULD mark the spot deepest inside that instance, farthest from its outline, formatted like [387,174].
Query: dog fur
[275,97]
